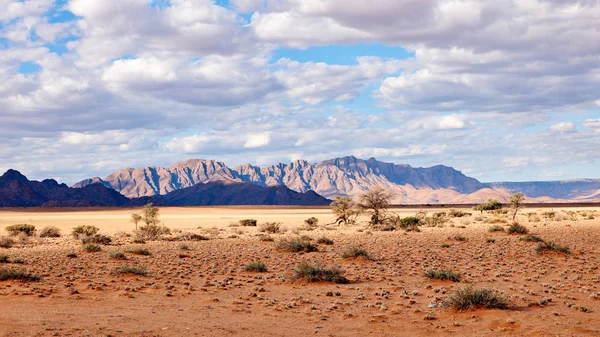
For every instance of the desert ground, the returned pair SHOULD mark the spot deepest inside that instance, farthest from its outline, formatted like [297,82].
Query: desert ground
[196,282]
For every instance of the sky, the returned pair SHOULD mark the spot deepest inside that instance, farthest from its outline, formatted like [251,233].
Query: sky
[502,90]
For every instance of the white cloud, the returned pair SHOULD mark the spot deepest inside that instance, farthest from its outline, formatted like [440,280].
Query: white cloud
[257,140]
[564,127]
[592,124]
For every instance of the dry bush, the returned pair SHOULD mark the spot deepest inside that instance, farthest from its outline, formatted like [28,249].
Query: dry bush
[317,273]
[248,222]
[270,227]
[97,239]
[533,217]
[296,245]
[496,228]
[50,232]
[453,213]
[85,230]
[126,269]
[257,267]
[516,228]
[469,298]
[152,231]
[17,274]
[443,275]
[544,247]
[354,252]
[6,242]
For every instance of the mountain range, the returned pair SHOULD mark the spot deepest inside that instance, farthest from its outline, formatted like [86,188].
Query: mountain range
[347,176]
[18,191]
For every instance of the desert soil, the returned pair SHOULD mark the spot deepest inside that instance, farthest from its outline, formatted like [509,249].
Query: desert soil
[204,290]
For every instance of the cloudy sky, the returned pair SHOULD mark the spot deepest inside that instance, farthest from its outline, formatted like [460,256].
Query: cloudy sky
[499,89]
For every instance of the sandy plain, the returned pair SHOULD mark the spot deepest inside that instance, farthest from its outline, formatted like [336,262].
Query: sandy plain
[204,291]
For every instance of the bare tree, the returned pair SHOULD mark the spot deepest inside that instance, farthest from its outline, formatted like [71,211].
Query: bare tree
[345,210]
[376,201]
[516,203]
[135,218]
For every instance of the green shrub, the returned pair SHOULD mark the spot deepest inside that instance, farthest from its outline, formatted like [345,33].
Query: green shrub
[443,275]
[97,239]
[544,247]
[50,232]
[17,274]
[126,269]
[92,248]
[248,222]
[17,229]
[118,256]
[324,241]
[258,267]
[457,214]
[531,238]
[409,221]
[317,273]
[469,298]
[6,242]
[354,252]
[495,228]
[491,205]
[139,251]
[152,231]
[516,228]
[83,231]
[296,245]
[270,227]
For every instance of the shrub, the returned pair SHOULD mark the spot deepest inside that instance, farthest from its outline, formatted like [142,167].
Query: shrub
[318,273]
[469,298]
[270,227]
[312,222]
[126,269]
[495,228]
[85,230]
[6,242]
[549,214]
[459,238]
[266,238]
[184,247]
[544,247]
[138,239]
[92,248]
[296,245]
[197,237]
[443,275]
[248,222]
[354,252]
[457,214]
[258,267]
[445,245]
[17,274]
[324,241]
[72,255]
[17,229]
[50,232]
[490,240]
[516,228]
[4,259]
[139,251]
[97,239]
[491,205]
[118,256]
[531,238]
[434,221]
[408,222]
[152,231]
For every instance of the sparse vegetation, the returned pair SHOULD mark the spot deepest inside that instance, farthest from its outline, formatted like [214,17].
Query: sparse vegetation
[345,210]
[270,227]
[184,247]
[97,239]
[50,232]
[152,231]
[517,228]
[139,251]
[311,222]
[135,218]
[531,238]
[248,222]
[91,248]
[444,275]
[4,259]
[318,273]
[544,247]
[83,231]
[17,229]
[491,205]
[490,240]
[296,245]
[257,267]
[126,269]
[516,203]
[324,241]
[17,274]
[445,245]
[6,242]
[71,255]
[354,252]
[459,238]
[495,228]
[453,213]
[470,298]
[118,256]
[376,201]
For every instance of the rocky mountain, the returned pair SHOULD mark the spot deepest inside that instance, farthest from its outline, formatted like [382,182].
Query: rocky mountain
[17,191]
[237,193]
[344,176]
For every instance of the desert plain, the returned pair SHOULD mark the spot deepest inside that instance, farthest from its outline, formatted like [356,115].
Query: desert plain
[196,283]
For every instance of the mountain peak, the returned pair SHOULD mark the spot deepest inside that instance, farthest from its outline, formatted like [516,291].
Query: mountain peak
[14,175]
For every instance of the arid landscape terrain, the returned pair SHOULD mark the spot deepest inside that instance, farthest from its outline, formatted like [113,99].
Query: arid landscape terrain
[195,281]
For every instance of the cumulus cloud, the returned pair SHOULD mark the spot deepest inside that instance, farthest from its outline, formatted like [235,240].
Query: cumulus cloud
[564,127]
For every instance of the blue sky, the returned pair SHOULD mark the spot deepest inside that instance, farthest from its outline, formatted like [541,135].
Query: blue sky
[90,87]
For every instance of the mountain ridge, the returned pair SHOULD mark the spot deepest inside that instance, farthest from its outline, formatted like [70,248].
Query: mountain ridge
[348,176]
